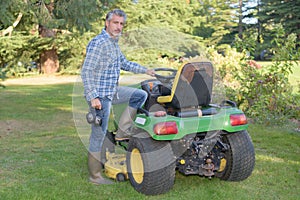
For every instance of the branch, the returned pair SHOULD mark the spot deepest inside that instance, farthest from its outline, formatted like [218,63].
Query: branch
[9,30]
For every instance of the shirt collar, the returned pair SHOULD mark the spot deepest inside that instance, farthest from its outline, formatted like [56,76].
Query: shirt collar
[106,35]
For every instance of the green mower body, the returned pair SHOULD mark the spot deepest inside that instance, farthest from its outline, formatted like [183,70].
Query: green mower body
[195,137]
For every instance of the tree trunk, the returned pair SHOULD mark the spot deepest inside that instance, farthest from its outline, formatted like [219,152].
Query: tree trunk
[49,62]
[259,35]
[240,19]
[10,29]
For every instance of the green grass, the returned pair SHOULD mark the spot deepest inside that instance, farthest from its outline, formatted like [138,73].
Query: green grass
[42,156]
[294,78]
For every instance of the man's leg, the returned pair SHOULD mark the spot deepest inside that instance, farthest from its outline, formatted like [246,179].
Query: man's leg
[96,140]
[135,98]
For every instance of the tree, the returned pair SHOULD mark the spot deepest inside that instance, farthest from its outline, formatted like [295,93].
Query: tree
[156,29]
[241,19]
[177,14]
[220,20]
[51,17]
[286,13]
[269,15]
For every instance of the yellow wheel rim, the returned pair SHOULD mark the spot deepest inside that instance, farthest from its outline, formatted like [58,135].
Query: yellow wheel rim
[222,164]
[137,166]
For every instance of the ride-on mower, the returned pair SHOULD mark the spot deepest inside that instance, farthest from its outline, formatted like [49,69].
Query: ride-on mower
[195,137]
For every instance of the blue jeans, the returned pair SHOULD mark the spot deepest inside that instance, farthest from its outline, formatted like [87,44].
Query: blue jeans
[135,99]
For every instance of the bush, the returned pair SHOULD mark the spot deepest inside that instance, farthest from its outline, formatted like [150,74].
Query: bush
[265,95]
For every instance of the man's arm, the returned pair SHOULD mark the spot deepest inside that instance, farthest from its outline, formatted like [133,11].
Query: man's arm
[88,70]
[135,67]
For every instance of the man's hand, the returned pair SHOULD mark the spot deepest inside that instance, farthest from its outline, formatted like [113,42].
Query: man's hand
[150,72]
[96,103]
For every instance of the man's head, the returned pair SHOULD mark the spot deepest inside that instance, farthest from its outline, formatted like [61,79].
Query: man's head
[114,22]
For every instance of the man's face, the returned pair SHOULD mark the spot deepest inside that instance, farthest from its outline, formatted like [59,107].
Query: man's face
[114,26]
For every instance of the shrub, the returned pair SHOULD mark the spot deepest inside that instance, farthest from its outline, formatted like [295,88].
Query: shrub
[265,95]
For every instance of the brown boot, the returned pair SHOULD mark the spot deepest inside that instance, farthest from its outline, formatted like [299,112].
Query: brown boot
[125,123]
[94,167]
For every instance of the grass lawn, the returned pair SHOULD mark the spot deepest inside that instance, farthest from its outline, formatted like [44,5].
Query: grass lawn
[42,156]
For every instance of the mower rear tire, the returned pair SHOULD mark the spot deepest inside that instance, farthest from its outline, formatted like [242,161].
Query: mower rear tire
[240,158]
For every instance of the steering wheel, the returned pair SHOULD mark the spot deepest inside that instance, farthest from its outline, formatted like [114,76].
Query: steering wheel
[165,78]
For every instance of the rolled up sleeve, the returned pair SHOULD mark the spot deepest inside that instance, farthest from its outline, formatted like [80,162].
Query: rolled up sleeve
[132,66]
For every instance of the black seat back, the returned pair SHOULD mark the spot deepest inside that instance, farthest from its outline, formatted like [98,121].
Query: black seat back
[194,86]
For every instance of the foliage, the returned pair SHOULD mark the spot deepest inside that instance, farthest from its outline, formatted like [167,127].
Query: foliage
[176,15]
[248,44]
[267,97]
[16,54]
[155,29]
[148,44]
[19,53]
[264,18]
[269,16]
[77,14]
[198,23]
[226,60]
[286,47]
[211,20]
[8,12]
[219,19]
[24,46]
[266,94]
[71,51]
[286,13]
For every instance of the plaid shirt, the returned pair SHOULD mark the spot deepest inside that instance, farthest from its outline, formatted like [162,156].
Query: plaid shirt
[101,68]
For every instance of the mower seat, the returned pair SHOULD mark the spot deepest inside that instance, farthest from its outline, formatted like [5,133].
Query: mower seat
[192,87]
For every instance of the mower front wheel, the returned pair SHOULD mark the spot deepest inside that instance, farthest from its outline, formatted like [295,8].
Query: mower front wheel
[150,165]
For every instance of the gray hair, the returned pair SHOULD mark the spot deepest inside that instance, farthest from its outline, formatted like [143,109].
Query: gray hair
[117,12]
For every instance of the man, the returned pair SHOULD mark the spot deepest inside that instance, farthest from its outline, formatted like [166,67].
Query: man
[100,74]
